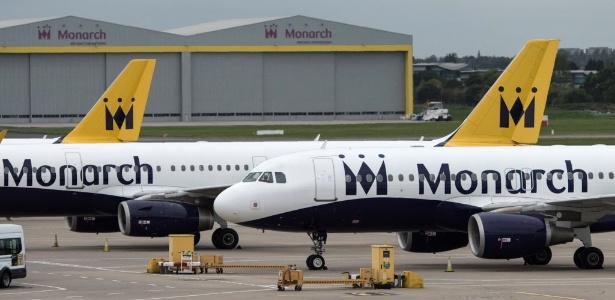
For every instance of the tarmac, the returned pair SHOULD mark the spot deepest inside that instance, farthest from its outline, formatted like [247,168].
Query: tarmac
[79,269]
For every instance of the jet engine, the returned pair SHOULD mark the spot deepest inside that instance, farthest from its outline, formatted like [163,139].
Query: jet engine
[431,242]
[92,224]
[161,218]
[501,235]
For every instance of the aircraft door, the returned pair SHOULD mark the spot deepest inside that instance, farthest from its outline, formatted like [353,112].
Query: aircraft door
[257,160]
[72,171]
[325,179]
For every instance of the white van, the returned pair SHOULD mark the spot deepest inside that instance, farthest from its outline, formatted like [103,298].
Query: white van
[12,254]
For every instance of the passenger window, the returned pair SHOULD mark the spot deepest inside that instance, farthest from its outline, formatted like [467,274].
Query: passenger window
[237,168]
[201,168]
[279,177]
[432,177]
[538,176]
[158,168]
[252,177]
[600,175]
[390,177]
[611,175]
[411,177]
[453,177]
[245,167]
[369,177]
[219,168]
[360,178]
[379,178]
[473,176]
[590,175]
[348,178]
[442,177]
[400,177]
[192,168]
[228,167]
[183,168]
[266,177]
[173,168]
[210,167]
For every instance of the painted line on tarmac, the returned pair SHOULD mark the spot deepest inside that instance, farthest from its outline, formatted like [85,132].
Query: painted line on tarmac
[549,296]
[208,294]
[49,287]
[524,282]
[81,266]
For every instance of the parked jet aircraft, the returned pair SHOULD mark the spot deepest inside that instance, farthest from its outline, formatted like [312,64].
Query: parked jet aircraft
[156,189]
[118,114]
[508,202]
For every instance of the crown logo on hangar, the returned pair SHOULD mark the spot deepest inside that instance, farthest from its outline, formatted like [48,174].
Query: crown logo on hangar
[516,111]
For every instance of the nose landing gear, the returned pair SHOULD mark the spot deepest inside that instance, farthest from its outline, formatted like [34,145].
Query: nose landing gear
[316,261]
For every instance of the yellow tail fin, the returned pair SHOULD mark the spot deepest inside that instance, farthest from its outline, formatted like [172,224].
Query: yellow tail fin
[118,114]
[511,111]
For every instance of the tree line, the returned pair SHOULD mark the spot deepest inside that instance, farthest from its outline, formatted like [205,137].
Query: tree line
[598,91]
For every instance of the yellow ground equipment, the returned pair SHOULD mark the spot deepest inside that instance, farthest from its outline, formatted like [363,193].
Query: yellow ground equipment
[380,275]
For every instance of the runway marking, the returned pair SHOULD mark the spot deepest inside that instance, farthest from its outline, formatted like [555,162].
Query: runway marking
[549,296]
[53,289]
[208,294]
[81,266]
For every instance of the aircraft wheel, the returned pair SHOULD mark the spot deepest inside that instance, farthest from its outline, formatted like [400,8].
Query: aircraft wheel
[5,279]
[315,262]
[576,257]
[540,258]
[225,238]
[197,237]
[592,258]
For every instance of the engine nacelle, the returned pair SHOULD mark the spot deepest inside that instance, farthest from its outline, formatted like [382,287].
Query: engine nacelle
[501,235]
[92,224]
[161,218]
[431,242]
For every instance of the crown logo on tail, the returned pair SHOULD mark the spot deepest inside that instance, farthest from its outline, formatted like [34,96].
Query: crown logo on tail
[516,111]
[120,117]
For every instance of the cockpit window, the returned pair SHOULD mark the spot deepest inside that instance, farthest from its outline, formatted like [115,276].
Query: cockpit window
[252,177]
[280,177]
[266,177]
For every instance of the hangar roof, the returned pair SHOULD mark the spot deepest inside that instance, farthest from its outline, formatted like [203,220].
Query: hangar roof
[71,31]
[217,25]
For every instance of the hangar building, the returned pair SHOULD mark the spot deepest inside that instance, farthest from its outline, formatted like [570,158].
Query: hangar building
[294,68]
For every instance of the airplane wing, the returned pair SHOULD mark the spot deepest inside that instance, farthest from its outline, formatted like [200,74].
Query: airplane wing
[199,196]
[592,208]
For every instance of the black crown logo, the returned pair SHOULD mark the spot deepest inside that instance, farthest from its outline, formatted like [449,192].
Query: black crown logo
[516,111]
[120,117]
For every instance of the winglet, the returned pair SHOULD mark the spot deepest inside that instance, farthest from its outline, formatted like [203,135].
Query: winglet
[511,111]
[3,134]
[118,114]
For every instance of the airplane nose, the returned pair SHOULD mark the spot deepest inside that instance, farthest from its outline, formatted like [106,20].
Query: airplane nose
[226,205]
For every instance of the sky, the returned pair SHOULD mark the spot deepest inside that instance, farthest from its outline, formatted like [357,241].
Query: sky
[438,27]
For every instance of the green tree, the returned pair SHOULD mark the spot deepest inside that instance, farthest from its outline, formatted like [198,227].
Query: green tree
[601,86]
[429,90]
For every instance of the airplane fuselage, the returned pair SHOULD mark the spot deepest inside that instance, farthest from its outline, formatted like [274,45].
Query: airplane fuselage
[365,190]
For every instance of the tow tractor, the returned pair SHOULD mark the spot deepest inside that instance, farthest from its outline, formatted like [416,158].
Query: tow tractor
[435,112]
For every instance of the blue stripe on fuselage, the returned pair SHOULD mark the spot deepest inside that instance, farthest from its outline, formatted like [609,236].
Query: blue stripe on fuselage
[17,201]
[371,215]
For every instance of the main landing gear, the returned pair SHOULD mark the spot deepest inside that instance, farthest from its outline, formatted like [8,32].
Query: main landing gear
[316,261]
[587,257]
[225,238]
[540,258]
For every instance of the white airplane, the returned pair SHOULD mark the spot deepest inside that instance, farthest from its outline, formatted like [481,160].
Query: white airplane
[508,202]
[156,189]
[116,116]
